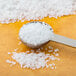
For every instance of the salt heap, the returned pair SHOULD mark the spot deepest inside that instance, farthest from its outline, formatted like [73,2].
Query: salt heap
[13,10]
[35,34]
[35,59]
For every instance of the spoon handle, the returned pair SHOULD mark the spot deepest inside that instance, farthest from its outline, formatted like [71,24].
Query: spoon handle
[64,40]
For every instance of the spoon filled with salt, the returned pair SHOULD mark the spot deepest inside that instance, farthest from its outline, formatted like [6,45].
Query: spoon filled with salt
[36,34]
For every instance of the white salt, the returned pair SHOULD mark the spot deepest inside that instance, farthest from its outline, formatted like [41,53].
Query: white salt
[9,52]
[53,64]
[12,62]
[56,50]
[50,50]
[27,52]
[16,49]
[33,60]
[36,34]
[57,54]
[52,67]
[52,57]
[20,43]
[32,50]
[58,59]
[55,67]
[50,47]
[15,10]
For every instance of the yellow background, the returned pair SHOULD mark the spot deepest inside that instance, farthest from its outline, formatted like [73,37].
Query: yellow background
[65,26]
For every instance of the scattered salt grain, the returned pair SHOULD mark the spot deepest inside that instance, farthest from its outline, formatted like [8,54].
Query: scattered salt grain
[33,60]
[12,62]
[52,57]
[32,51]
[27,52]
[50,50]
[16,49]
[50,47]
[56,50]
[55,67]
[58,59]
[56,54]
[47,66]
[53,64]
[20,43]
[52,67]
[9,52]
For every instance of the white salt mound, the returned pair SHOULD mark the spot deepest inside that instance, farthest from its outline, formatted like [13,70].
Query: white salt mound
[35,34]
[12,10]
[33,60]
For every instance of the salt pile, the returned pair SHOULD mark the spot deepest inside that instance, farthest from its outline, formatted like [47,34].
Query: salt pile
[35,34]
[15,10]
[35,59]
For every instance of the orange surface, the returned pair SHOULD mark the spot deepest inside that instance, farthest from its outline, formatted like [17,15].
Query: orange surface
[65,26]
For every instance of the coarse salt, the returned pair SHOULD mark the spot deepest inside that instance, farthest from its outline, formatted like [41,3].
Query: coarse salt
[16,49]
[57,54]
[20,43]
[35,34]
[33,60]
[50,50]
[56,50]
[12,62]
[9,52]
[15,10]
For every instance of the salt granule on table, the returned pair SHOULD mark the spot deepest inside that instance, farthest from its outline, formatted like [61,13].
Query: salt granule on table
[33,60]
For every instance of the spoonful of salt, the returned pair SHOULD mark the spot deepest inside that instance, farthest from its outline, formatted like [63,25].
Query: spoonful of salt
[36,34]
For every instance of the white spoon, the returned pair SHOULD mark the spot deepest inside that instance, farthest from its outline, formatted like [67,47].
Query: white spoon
[30,29]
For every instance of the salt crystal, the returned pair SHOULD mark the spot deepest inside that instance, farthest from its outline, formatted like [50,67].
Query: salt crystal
[16,49]
[56,50]
[58,59]
[9,52]
[56,54]
[20,43]
[12,62]
[50,64]
[32,50]
[47,66]
[27,51]
[33,60]
[50,50]
[52,57]
[55,67]
[53,64]
[52,67]
[50,47]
